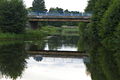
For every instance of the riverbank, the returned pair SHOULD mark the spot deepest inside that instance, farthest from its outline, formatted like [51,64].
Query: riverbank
[28,35]
[63,31]
[40,33]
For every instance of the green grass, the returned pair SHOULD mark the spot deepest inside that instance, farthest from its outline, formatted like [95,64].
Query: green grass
[70,31]
[7,42]
[40,33]
[62,31]
[29,35]
[10,36]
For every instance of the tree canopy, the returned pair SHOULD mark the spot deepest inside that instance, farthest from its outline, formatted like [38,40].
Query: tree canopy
[39,5]
[13,16]
[102,38]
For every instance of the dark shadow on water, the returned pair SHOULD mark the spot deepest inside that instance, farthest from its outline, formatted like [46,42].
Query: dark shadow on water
[38,58]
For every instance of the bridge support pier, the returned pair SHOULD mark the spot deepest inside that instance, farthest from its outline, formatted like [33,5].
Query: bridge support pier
[34,24]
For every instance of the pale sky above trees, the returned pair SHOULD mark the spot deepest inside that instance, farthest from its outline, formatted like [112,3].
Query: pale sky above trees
[72,5]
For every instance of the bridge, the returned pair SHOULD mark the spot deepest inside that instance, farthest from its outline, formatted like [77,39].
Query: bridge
[35,17]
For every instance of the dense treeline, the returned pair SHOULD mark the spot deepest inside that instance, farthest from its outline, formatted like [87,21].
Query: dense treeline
[101,39]
[39,5]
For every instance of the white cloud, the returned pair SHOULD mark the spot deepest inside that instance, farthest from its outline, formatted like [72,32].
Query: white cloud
[72,5]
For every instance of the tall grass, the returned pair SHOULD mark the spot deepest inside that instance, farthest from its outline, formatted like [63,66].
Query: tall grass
[28,35]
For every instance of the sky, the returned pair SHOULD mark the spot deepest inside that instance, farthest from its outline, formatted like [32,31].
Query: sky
[71,5]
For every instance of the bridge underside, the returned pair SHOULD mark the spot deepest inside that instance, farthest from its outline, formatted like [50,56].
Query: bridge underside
[62,19]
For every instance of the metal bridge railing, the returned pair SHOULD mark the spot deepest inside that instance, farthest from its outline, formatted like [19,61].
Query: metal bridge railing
[58,14]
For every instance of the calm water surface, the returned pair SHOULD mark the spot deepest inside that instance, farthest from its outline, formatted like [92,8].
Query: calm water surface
[15,63]
[54,69]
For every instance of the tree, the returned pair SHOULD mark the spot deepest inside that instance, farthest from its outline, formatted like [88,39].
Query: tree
[52,10]
[109,25]
[67,11]
[94,26]
[39,6]
[91,6]
[13,16]
[59,10]
[82,45]
[56,10]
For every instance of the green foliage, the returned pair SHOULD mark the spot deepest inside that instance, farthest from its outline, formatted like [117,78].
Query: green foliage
[91,6]
[91,32]
[58,23]
[13,16]
[100,8]
[83,36]
[56,10]
[10,36]
[39,5]
[117,38]
[34,35]
[103,40]
[64,31]
[29,35]
[73,31]
[49,29]
[109,25]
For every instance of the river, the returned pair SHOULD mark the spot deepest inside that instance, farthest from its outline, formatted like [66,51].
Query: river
[15,63]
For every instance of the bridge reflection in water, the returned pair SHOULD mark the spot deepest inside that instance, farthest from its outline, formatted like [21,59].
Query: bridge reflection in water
[70,54]
[39,58]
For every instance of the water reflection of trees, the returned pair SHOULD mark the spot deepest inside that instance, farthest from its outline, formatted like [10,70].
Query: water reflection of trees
[54,43]
[57,42]
[12,60]
[35,45]
[104,64]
